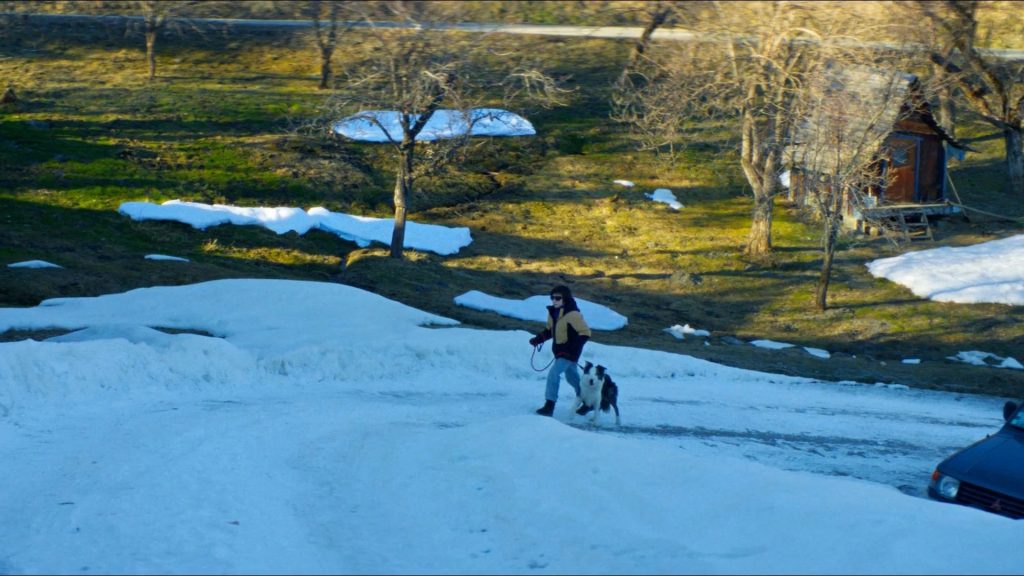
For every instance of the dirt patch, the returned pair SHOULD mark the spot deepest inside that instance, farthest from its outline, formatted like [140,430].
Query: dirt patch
[40,335]
[37,335]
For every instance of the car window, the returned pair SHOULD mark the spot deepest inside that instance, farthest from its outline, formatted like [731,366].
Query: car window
[1018,419]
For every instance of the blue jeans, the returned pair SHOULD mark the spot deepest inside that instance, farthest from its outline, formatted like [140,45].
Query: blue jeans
[572,376]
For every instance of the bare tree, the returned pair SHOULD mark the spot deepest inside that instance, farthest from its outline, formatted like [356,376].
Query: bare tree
[837,150]
[417,71]
[657,14]
[154,17]
[324,14]
[156,14]
[772,72]
[746,70]
[994,88]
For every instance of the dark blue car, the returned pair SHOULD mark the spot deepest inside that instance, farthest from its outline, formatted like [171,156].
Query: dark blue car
[988,474]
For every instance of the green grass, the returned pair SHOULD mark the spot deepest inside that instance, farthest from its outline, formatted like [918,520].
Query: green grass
[217,127]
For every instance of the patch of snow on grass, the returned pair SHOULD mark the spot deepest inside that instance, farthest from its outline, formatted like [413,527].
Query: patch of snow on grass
[166,257]
[665,196]
[771,345]
[681,331]
[34,264]
[979,358]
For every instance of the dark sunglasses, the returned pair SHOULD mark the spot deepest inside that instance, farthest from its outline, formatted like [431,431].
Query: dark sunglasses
[556,297]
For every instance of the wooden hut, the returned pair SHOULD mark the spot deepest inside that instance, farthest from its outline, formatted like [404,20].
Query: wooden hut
[885,116]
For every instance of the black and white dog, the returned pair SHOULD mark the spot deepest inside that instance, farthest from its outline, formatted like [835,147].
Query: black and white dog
[597,393]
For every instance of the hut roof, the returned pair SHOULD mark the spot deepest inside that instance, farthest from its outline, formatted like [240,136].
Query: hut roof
[852,109]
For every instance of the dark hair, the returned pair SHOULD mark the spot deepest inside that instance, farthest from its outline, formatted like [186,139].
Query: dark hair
[562,291]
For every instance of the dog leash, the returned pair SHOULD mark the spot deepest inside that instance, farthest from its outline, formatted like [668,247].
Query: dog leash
[546,366]
[532,354]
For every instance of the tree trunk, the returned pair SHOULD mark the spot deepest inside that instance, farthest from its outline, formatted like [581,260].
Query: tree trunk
[1014,159]
[821,294]
[403,187]
[760,169]
[641,45]
[947,97]
[325,68]
[947,111]
[759,243]
[151,53]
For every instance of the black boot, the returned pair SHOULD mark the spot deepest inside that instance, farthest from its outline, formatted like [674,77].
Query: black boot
[583,410]
[547,409]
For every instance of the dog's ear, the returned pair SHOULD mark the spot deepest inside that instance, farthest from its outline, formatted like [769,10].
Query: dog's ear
[600,371]
[586,367]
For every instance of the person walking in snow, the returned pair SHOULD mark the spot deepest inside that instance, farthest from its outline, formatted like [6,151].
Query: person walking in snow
[568,329]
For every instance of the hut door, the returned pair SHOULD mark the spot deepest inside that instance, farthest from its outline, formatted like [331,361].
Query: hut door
[902,169]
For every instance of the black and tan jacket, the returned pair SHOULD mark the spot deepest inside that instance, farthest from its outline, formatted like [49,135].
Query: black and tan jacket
[568,329]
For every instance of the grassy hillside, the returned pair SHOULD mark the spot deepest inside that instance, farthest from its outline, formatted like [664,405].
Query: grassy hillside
[88,133]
